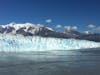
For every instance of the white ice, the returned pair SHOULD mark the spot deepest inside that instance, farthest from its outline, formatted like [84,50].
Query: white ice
[20,43]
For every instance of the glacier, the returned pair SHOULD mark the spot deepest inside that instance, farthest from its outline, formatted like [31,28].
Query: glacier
[18,43]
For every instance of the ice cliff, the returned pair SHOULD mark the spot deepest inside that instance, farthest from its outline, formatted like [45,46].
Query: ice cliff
[18,43]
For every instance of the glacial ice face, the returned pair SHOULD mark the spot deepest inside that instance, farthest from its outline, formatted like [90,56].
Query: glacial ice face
[20,43]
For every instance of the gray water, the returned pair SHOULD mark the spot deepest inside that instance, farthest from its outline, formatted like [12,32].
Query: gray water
[62,62]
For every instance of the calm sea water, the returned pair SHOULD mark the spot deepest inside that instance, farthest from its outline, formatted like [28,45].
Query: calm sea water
[57,62]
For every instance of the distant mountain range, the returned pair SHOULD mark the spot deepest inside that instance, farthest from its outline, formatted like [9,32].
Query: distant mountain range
[29,29]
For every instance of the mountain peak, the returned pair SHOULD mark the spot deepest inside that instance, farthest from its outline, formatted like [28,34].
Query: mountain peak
[29,29]
[23,29]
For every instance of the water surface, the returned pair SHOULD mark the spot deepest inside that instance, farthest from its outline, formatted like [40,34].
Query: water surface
[62,62]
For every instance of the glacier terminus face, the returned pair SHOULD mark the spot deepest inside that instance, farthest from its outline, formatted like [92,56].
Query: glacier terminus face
[18,43]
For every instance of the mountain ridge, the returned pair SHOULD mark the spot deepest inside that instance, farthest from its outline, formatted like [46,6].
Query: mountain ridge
[29,29]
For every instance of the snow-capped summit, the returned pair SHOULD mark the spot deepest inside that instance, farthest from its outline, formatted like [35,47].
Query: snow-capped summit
[24,29]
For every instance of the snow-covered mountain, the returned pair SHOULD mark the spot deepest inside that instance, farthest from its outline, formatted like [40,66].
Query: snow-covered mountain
[29,29]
